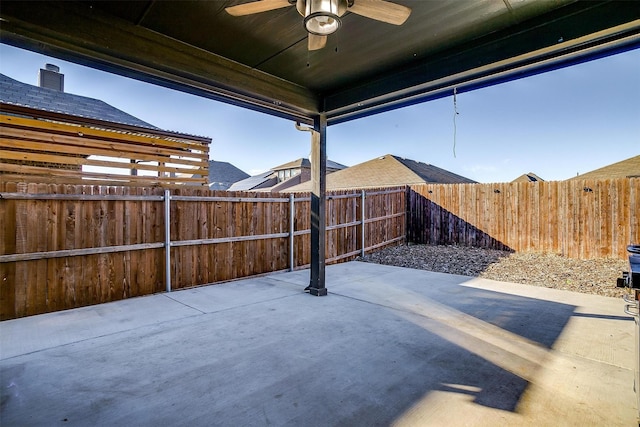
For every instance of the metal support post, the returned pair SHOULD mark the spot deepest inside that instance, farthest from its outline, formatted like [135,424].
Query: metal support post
[292,211]
[318,201]
[362,246]
[167,239]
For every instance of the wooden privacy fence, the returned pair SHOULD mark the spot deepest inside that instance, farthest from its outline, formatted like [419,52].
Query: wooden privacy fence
[575,218]
[65,246]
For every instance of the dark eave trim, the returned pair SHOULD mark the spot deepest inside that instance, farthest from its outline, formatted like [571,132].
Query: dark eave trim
[598,30]
[81,34]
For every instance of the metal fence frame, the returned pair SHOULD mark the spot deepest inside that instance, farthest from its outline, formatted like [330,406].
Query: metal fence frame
[167,198]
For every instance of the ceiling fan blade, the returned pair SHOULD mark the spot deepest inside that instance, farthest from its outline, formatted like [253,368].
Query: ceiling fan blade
[317,42]
[381,10]
[256,7]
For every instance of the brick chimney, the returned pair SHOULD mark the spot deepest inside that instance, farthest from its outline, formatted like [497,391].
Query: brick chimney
[51,78]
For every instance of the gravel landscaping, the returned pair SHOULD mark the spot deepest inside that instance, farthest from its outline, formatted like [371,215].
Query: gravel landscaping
[595,276]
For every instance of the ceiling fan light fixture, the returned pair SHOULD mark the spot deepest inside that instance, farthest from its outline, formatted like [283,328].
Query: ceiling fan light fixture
[322,17]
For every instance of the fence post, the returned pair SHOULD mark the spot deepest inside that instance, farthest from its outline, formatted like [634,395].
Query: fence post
[362,246]
[407,216]
[167,239]
[291,231]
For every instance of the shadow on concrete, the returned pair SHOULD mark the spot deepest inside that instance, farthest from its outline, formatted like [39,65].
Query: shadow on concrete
[373,352]
[479,343]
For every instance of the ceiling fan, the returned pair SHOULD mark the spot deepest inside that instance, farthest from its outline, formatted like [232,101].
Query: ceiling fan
[322,17]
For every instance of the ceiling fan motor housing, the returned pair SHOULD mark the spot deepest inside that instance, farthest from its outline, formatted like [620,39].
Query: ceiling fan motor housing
[322,17]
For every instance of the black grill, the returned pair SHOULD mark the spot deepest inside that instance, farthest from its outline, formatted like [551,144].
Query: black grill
[631,278]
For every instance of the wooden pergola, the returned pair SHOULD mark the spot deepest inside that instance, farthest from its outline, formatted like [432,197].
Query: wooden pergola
[261,61]
[51,147]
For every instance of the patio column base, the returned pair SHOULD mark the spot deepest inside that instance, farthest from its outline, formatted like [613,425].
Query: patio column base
[318,292]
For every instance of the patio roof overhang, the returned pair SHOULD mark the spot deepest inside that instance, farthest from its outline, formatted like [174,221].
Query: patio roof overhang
[261,61]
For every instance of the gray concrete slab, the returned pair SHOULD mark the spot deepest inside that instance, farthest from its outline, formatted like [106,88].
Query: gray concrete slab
[387,346]
[36,333]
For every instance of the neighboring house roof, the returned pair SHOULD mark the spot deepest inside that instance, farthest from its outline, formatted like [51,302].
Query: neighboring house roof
[628,168]
[528,177]
[268,181]
[431,173]
[305,163]
[21,94]
[281,186]
[223,174]
[386,171]
[265,179]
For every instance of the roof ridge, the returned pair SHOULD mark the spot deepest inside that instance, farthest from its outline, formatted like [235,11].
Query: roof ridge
[15,92]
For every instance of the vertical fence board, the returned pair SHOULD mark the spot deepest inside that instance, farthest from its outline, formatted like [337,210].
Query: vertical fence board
[553,218]
[227,230]
[37,295]
[8,246]
[70,263]
[634,211]
[21,277]
[51,237]
[157,269]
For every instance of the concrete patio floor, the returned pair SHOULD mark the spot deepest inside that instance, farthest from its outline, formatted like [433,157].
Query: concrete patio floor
[387,346]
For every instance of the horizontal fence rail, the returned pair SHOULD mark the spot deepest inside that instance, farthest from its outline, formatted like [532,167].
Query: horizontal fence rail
[65,246]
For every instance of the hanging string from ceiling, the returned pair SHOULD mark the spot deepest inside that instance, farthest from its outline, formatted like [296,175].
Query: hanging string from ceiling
[455,114]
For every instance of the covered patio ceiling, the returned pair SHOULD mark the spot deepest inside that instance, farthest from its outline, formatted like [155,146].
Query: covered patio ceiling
[261,61]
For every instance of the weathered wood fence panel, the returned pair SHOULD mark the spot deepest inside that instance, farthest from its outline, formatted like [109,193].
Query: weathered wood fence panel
[50,283]
[576,218]
[51,151]
[219,236]
[66,246]
[385,218]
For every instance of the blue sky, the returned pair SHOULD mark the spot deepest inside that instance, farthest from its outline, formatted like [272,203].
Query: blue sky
[555,124]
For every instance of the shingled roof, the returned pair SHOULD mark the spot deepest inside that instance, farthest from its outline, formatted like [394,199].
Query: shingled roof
[223,174]
[386,171]
[17,93]
[628,168]
[268,181]
[528,177]
[305,163]
[264,180]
